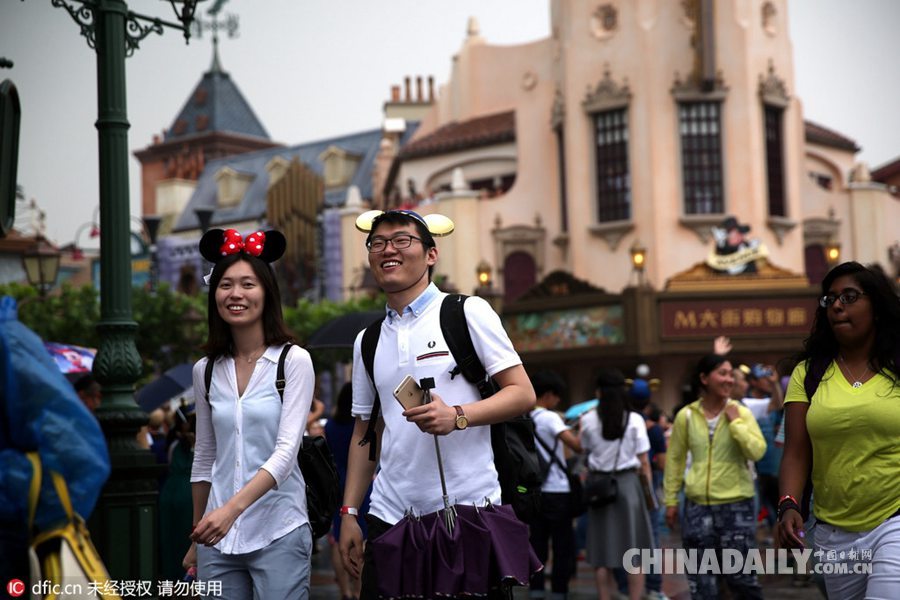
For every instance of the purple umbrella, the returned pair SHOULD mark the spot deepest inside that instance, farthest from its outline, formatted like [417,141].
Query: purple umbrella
[508,537]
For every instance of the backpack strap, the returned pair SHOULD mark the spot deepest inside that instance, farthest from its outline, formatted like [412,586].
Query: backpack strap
[550,451]
[459,341]
[280,381]
[368,347]
[34,491]
[815,370]
[279,377]
[207,375]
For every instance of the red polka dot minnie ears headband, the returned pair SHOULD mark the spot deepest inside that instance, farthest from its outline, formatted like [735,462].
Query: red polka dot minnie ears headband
[267,246]
[437,225]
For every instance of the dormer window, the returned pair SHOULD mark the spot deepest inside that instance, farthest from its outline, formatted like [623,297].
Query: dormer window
[232,186]
[339,166]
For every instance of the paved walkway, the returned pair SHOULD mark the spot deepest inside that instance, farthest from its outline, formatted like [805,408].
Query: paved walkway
[582,587]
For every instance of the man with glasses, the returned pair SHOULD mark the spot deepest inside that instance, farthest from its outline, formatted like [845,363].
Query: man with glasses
[402,255]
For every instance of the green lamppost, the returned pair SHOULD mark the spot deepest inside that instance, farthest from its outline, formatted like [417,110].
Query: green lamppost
[124,524]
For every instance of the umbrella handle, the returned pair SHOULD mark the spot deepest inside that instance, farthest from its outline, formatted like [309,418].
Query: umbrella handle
[426,398]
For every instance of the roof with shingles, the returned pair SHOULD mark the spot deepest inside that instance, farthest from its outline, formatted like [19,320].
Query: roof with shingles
[818,134]
[887,170]
[253,205]
[216,104]
[463,135]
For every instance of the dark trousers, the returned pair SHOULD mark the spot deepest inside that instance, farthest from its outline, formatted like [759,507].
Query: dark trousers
[13,553]
[554,524]
[369,577]
[720,526]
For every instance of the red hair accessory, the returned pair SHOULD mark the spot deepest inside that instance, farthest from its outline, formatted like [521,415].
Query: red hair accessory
[217,244]
[234,243]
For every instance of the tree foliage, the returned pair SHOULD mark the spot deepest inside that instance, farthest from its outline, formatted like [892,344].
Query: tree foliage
[307,316]
[171,326]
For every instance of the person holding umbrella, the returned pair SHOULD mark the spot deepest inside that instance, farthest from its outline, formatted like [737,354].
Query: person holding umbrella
[251,530]
[402,255]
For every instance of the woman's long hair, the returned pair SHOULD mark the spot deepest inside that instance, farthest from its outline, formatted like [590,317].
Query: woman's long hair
[344,405]
[219,341]
[613,401]
[706,365]
[822,343]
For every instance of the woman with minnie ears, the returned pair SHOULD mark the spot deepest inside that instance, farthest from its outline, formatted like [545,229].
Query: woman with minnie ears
[251,530]
[845,435]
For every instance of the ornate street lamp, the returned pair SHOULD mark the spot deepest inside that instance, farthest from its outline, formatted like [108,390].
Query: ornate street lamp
[151,226]
[485,287]
[638,260]
[41,264]
[483,270]
[123,525]
[833,252]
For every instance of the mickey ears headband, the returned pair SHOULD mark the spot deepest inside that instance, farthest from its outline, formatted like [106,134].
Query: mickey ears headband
[437,225]
[267,246]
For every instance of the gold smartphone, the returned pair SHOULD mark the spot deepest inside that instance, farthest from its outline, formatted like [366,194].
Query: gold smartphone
[408,393]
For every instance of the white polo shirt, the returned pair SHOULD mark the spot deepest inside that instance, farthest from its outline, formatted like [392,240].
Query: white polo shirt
[412,344]
[239,435]
[547,426]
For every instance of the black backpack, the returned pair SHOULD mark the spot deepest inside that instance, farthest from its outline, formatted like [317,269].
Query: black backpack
[323,486]
[515,454]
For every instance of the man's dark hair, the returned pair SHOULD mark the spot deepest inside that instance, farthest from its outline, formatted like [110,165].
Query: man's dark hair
[85,383]
[548,381]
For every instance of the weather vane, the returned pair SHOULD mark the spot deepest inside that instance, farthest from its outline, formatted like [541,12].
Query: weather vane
[229,24]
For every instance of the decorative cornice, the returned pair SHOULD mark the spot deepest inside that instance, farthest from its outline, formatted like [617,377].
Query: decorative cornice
[701,225]
[612,233]
[780,226]
[772,89]
[607,95]
[690,88]
[820,230]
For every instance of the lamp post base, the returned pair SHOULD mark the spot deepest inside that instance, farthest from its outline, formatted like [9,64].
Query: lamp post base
[124,525]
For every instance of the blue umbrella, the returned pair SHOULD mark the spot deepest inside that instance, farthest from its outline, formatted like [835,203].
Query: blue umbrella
[576,410]
[170,384]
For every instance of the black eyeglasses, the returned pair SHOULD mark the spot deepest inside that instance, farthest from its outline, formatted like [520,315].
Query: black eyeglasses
[399,242]
[846,297]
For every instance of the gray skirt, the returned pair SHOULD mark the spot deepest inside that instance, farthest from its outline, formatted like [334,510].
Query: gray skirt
[617,527]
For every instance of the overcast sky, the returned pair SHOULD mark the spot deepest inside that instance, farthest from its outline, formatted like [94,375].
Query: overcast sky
[318,68]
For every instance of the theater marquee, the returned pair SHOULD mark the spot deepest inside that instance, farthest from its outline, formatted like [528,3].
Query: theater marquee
[709,318]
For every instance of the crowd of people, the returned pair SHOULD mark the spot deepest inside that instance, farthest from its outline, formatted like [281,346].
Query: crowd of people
[732,465]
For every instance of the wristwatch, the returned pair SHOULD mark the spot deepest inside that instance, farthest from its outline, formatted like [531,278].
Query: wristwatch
[462,421]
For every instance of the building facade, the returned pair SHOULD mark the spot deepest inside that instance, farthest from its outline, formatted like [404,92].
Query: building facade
[639,128]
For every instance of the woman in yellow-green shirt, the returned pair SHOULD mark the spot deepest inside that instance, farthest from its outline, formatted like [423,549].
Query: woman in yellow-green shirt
[721,436]
[842,419]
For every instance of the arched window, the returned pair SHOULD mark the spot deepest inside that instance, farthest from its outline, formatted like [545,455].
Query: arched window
[519,275]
